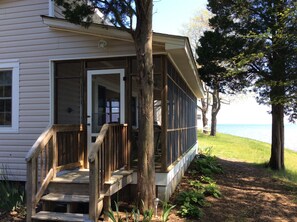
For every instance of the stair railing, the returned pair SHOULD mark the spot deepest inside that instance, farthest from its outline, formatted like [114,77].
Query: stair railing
[58,147]
[109,153]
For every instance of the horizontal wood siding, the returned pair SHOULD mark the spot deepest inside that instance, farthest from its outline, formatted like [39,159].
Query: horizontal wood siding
[24,37]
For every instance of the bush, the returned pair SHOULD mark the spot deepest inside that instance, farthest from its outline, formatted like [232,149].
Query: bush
[190,203]
[190,210]
[212,190]
[206,165]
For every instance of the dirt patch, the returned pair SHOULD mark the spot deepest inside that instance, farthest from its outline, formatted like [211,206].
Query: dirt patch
[249,194]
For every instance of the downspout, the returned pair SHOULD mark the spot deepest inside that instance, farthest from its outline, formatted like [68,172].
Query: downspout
[51,8]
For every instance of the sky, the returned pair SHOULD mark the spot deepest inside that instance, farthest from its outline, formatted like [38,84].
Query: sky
[170,16]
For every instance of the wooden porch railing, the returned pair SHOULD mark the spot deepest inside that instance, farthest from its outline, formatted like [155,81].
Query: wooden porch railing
[58,147]
[109,153]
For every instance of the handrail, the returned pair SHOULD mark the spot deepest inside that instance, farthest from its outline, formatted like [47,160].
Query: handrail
[98,142]
[42,140]
[43,160]
[110,152]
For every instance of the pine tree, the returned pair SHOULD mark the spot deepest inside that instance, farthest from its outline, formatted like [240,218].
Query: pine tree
[268,57]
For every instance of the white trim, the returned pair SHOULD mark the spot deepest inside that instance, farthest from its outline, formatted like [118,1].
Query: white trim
[52,92]
[90,74]
[164,179]
[51,8]
[14,66]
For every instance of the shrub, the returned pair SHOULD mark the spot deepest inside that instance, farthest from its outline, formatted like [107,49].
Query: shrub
[206,165]
[212,190]
[190,210]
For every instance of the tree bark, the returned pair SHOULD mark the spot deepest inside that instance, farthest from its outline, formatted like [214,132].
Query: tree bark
[277,142]
[204,110]
[277,94]
[216,106]
[146,162]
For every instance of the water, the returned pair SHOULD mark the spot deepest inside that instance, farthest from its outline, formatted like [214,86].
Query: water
[261,132]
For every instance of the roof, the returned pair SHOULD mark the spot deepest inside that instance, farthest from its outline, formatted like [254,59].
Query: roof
[176,47]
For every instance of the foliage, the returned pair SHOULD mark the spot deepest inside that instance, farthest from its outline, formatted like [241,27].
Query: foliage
[206,179]
[209,188]
[196,26]
[166,210]
[135,215]
[112,216]
[12,193]
[267,57]
[212,190]
[190,210]
[190,203]
[206,165]
[196,184]
[193,199]
[148,215]
[206,151]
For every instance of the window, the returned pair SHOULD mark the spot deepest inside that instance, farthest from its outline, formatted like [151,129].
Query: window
[9,96]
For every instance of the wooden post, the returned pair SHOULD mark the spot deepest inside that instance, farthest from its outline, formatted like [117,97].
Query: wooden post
[31,188]
[127,148]
[55,153]
[164,95]
[94,189]
[29,191]
[108,156]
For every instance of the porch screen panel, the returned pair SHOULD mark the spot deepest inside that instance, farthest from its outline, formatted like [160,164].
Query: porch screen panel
[182,103]
[68,93]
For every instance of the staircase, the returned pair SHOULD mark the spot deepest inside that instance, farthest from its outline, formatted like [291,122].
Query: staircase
[68,195]
[58,187]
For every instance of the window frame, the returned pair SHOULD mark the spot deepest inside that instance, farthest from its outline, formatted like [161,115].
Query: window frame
[13,66]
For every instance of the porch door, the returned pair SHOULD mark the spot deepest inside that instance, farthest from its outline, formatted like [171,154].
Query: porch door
[106,100]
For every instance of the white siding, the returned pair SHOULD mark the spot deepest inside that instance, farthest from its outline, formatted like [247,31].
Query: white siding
[23,36]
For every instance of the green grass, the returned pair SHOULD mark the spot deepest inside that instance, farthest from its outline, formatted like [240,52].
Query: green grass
[248,150]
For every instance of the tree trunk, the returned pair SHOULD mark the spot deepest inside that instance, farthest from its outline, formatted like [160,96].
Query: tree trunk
[216,106]
[204,110]
[277,142]
[146,162]
[277,94]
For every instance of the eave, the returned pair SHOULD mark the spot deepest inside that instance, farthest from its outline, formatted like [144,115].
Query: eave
[176,47]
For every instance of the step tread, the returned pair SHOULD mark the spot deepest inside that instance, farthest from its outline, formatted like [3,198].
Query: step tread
[80,176]
[118,175]
[56,216]
[57,197]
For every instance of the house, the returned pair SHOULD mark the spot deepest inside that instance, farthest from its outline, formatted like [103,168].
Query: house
[68,100]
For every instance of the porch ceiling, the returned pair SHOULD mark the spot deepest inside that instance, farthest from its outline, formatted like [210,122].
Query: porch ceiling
[176,47]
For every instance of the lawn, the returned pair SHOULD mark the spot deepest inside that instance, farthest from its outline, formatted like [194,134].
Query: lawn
[247,150]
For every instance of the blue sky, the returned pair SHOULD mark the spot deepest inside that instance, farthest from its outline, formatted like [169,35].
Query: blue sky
[170,15]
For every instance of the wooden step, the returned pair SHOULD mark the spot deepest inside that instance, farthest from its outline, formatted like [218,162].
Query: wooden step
[71,182]
[68,188]
[118,180]
[55,216]
[65,198]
